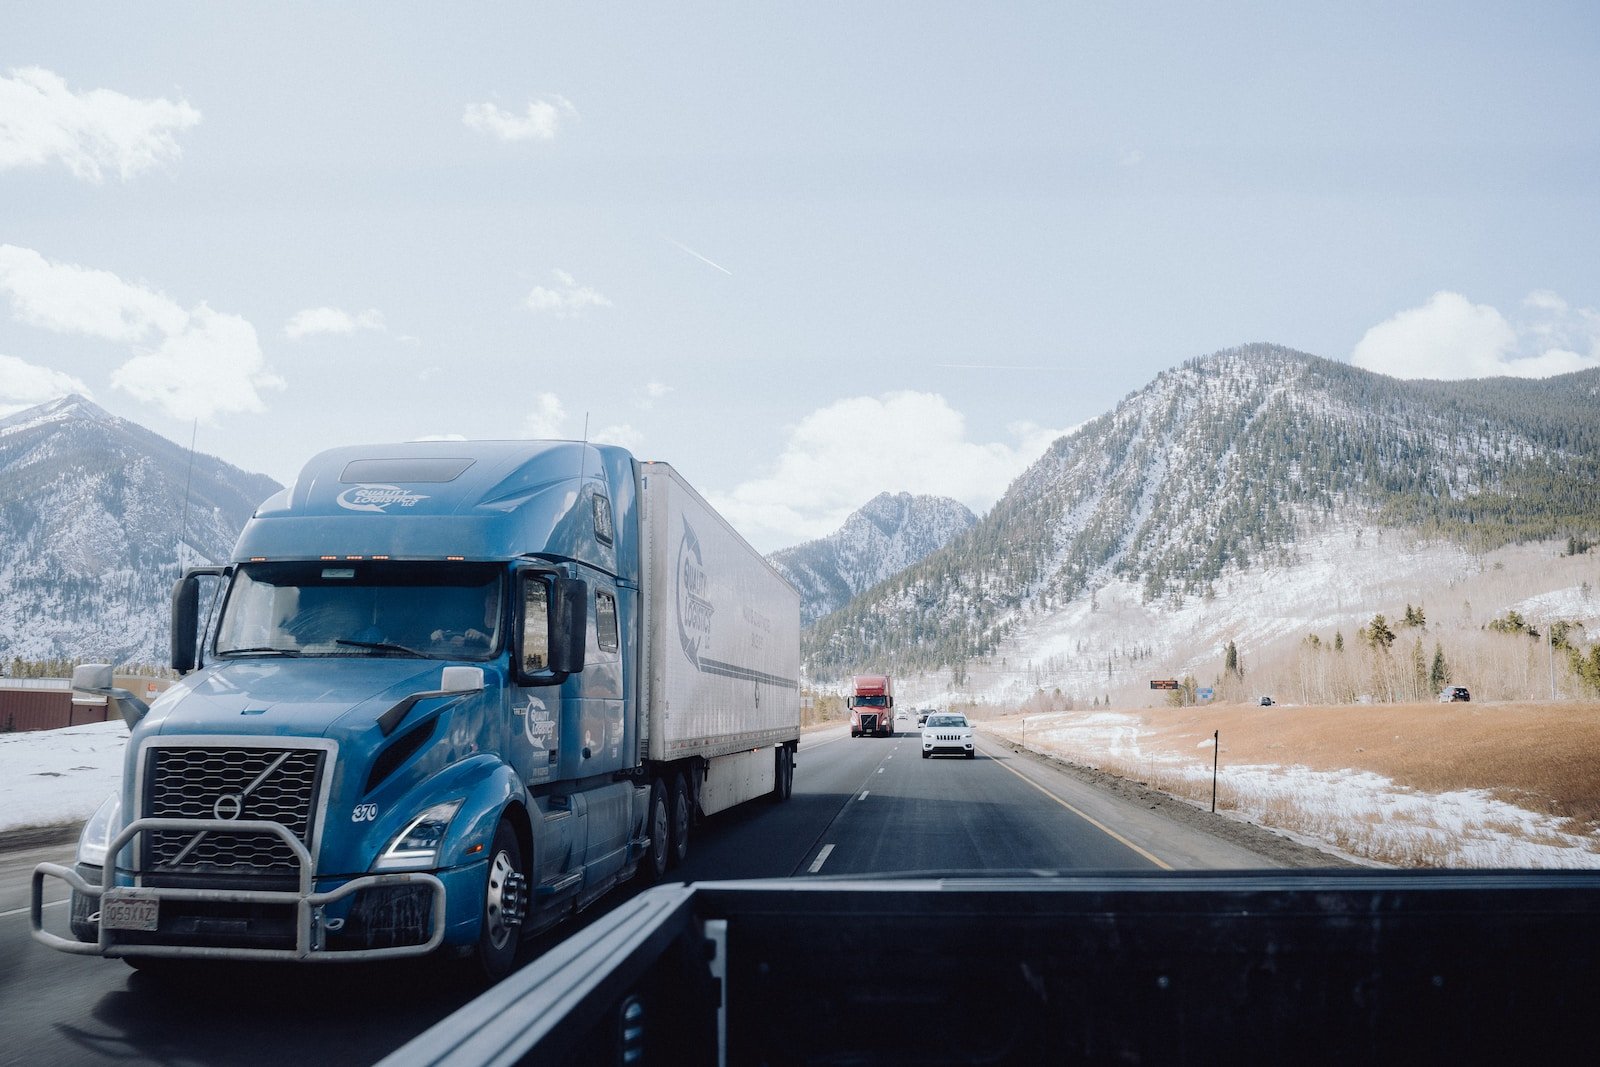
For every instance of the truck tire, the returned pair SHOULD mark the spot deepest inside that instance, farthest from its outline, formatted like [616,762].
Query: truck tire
[783,774]
[653,865]
[681,818]
[505,905]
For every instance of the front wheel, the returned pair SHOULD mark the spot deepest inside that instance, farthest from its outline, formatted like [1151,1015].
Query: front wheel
[505,905]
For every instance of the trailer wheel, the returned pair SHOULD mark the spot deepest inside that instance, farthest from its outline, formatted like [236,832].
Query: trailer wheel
[653,866]
[783,776]
[505,905]
[681,817]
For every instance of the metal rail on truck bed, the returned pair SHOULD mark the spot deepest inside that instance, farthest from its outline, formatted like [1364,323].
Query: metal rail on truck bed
[1167,967]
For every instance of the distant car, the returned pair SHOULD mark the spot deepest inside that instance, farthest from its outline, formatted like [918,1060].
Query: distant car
[922,716]
[946,733]
[1452,694]
[1266,702]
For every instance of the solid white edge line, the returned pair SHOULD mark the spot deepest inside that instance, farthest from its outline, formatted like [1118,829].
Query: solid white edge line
[822,857]
[1091,820]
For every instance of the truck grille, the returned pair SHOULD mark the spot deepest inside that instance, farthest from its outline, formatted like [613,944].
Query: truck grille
[276,784]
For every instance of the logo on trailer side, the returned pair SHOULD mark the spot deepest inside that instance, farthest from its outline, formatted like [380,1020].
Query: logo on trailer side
[694,610]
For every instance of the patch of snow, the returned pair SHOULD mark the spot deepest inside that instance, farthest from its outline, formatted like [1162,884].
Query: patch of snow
[51,777]
[1354,812]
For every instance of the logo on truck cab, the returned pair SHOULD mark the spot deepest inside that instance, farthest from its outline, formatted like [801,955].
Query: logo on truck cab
[379,498]
[694,610]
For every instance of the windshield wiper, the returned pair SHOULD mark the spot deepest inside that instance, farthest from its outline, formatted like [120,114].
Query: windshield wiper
[262,650]
[382,646]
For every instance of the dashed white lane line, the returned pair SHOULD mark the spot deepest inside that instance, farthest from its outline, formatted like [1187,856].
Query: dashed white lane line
[24,911]
[822,857]
[863,795]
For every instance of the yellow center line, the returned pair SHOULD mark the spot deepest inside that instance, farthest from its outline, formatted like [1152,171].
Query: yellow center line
[1091,820]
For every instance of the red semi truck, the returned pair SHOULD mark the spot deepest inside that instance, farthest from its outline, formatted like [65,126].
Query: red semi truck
[872,706]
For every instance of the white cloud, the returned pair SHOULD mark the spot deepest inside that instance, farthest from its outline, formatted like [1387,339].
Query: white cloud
[321,320]
[89,132]
[567,300]
[547,417]
[653,391]
[1545,300]
[620,434]
[213,366]
[24,384]
[541,121]
[65,298]
[839,457]
[1450,337]
[204,363]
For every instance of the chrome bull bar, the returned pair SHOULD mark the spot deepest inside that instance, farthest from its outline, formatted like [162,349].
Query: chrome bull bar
[310,930]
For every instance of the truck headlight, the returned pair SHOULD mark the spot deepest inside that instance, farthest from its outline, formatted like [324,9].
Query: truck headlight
[417,846]
[99,830]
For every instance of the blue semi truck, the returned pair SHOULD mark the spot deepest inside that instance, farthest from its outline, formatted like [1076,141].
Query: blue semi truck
[444,695]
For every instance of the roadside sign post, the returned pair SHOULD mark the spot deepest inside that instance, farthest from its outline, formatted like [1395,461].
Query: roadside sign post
[1216,745]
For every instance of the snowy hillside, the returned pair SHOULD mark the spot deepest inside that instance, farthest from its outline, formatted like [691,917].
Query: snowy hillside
[1241,467]
[92,511]
[888,534]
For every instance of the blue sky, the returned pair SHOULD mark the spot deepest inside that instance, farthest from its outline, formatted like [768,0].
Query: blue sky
[806,253]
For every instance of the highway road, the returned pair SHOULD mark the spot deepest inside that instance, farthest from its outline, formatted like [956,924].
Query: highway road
[860,806]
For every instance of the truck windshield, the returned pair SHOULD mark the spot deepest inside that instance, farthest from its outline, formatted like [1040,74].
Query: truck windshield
[365,608]
[870,702]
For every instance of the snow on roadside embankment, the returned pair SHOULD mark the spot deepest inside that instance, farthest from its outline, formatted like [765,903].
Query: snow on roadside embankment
[58,777]
[1353,811]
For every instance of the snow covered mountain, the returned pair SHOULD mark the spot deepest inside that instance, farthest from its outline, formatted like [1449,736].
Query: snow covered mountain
[1229,465]
[92,512]
[885,536]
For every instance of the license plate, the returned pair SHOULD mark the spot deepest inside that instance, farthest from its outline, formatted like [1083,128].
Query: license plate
[129,912]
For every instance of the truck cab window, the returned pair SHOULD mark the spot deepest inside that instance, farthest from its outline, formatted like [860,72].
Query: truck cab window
[306,608]
[605,621]
[535,624]
[602,519]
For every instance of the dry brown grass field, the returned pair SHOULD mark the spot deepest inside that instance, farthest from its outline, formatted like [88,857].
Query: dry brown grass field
[1542,757]
[1390,783]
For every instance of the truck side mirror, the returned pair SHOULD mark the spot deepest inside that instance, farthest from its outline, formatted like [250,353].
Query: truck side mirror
[568,625]
[91,677]
[185,621]
[97,679]
[555,616]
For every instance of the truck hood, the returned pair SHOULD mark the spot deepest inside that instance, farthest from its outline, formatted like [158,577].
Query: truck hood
[293,698]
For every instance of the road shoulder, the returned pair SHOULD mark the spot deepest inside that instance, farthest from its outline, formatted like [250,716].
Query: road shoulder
[1238,841]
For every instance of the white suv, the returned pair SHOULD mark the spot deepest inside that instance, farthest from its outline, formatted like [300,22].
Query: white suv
[946,733]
